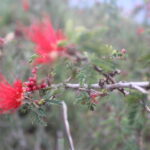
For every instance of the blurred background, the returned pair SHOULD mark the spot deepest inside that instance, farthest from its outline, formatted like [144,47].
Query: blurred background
[92,25]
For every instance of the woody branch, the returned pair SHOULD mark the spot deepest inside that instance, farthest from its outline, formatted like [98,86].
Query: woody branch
[140,86]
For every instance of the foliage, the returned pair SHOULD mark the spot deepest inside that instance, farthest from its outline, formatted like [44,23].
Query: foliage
[99,34]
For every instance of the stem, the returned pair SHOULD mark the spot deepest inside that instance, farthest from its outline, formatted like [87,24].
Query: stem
[66,124]
[140,86]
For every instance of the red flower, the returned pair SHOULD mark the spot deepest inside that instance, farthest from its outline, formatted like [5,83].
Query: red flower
[26,5]
[123,51]
[2,41]
[94,101]
[93,96]
[140,30]
[47,40]
[11,96]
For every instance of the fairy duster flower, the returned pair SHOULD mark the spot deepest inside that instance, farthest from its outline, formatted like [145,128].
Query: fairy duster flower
[11,96]
[47,40]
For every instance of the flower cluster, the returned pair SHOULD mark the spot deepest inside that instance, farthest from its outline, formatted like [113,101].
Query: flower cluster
[11,96]
[32,85]
[48,47]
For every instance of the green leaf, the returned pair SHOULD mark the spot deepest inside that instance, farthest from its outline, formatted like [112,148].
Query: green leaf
[49,102]
[62,43]
[107,65]
[145,60]
[33,57]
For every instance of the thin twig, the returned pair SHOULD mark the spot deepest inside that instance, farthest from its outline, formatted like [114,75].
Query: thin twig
[145,105]
[142,90]
[66,124]
[147,108]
